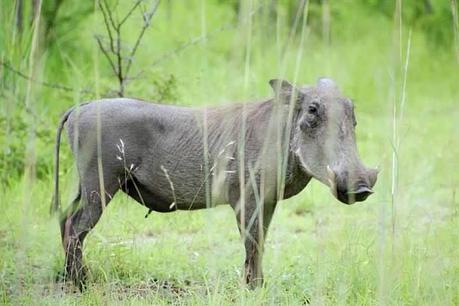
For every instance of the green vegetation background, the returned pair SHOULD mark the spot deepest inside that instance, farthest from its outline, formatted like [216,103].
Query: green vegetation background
[399,61]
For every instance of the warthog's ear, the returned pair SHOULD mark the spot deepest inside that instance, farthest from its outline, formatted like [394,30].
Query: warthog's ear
[282,88]
[327,84]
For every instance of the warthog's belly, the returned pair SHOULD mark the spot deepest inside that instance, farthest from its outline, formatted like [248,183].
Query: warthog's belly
[165,200]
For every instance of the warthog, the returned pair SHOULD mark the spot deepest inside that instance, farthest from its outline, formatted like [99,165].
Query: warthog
[248,155]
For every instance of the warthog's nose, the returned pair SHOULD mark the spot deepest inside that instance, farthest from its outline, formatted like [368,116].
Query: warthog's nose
[339,186]
[360,194]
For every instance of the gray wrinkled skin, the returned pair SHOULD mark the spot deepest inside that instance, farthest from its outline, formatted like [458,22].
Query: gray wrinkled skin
[169,157]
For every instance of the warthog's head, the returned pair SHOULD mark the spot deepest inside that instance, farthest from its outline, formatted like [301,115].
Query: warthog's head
[324,138]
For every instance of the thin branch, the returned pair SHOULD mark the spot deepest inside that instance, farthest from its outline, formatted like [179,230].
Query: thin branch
[110,26]
[147,22]
[109,13]
[46,84]
[107,25]
[120,62]
[102,48]
[191,42]
[130,12]
[106,42]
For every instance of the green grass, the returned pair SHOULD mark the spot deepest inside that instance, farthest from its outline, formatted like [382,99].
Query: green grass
[318,251]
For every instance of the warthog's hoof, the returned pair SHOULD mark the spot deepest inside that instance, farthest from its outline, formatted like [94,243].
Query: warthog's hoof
[254,282]
[76,278]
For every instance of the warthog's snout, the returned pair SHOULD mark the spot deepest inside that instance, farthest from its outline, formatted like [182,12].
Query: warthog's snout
[348,190]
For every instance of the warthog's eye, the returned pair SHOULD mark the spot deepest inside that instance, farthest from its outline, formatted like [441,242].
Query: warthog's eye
[312,109]
[311,118]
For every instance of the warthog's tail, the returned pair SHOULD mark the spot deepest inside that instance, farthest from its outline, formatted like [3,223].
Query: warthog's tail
[55,203]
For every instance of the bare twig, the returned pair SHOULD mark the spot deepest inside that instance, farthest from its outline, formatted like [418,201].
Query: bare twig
[191,42]
[46,84]
[104,51]
[120,64]
[146,24]
[109,13]
[130,12]
[107,26]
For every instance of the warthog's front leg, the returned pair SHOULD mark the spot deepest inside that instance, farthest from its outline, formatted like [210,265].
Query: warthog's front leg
[253,221]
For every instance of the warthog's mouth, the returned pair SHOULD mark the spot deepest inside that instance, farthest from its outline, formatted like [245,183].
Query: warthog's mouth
[359,195]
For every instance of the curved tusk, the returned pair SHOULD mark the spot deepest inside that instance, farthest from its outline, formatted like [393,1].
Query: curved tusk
[331,183]
[362,189]
[331,179]
[332,186]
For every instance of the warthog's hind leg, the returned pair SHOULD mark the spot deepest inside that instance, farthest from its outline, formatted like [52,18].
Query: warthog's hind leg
[76,224]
